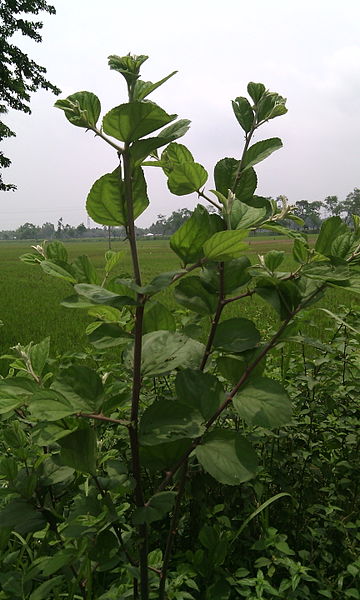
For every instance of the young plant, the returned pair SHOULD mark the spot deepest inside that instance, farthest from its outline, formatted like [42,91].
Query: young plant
[116,450]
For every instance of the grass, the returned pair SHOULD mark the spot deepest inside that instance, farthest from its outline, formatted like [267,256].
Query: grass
[30,300]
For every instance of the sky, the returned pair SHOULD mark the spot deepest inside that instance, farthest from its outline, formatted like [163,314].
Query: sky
[308,51]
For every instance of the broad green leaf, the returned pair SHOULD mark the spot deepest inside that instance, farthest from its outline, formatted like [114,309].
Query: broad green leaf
[200,391]
[255,90]
[160,282]
[284,296]
[9,402]
[51,268]
[186,178]
[330,229]
[192,294]
[48,405]
[106,202]
[173,155]
[300,251]
[188,240]
[343,245]
[81,386]
[52,564]
[157,317]
[163,456]
[164,351]
[51,473]
[291,233]
[273,259]
[144,88]
[326,271]
[245,216]
[99,295]
[155,509]
[39,353]
[56,251]
[132,121]
[233,366]
[78,450]
[236,335]
[227,177]
[166,420]
[235,275]
[84,270]
[108,335]
[263,402]
[43,590]
[259,151]
[270,106]
[142,148]
[44,434]
[225,245]
[22,516]
[243,113]
[227,456]
[81,109]
[112,259]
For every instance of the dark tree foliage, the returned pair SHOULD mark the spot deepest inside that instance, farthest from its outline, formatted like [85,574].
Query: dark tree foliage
[19,74]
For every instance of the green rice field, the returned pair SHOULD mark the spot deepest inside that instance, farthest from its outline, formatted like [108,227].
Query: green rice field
[30,300]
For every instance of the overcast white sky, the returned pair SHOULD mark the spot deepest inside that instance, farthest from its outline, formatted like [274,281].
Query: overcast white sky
[308,51]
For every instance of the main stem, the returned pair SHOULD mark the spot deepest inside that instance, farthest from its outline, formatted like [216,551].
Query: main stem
[136,383]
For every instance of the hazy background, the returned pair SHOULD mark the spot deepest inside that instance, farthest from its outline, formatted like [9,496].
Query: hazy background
[308,51]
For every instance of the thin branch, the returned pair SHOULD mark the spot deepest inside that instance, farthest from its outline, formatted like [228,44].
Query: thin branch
[216,318]
[201,194]
[101,417]
[99,133]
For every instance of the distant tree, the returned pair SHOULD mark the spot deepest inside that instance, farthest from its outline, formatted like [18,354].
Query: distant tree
[332,205]
[28,231]
[19,74]
[47,231]
[81,229]
[309,212]
[351,204]
[168,226]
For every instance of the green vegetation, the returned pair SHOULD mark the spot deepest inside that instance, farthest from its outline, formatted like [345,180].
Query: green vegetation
[193,448]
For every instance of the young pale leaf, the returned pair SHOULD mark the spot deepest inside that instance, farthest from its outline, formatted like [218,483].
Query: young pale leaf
[188,240]
[263,402]
[186,178]
[132,121]
[164,351]
[273,259]
[330,229]
[155,509]
[259,151]
[157,317]
[112,259]
[199,390]
[56,252]
[106,203]
[39,353]
[81,109]
[236,335]
[227,456]
[227,177]
[255,90]
[225,245]
[78,450]
[192,294]
[166,421]
[144,88]
[243,113]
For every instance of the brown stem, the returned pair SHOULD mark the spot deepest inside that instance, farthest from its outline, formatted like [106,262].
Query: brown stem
[216,318]
[101,417]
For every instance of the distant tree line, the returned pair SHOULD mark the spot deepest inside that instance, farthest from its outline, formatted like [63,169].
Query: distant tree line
[312,213]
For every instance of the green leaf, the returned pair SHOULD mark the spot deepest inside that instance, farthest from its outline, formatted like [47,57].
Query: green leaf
[186,178]
[256,512]
[55,270]
[112,259]
[56,252]
[227,177]
[245,216]
[51,564]
[142,148]
[284,296]
[191,294]
[236,335]
[235,275]
[225,245]
[166,420]
[300,251]
[163,456]
[42,591]
[259,151]
[155,509]
[78,450]
[255,90]
[81,109]
[263,402]
[132,121]
[291,233]
[188,240]
[227,456]
[200,391]
[330,229]
[99,295]
[273,259]
[106,203]
[39,354]
[128,66]
[9,402]
[81,387]
[108,335]
[157,317]
[243,113]
[48,405]
[84,270]
[326,271]
[232,367]
[164,351]
[21,516]
[343,245]
[144,88]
